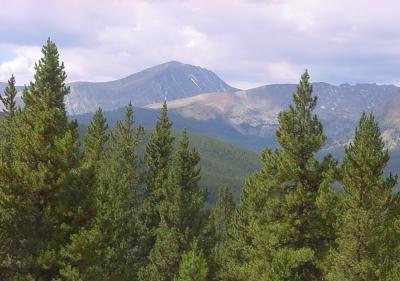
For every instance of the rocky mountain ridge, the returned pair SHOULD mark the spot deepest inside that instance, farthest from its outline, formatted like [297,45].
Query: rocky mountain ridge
[255,112]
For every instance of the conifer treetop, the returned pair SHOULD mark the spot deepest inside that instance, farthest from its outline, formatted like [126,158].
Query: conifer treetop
[97,136]
[49,86]
[8,99]
[300,132]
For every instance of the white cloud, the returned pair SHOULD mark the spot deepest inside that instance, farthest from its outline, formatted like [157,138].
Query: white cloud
[246,41]
[22,65]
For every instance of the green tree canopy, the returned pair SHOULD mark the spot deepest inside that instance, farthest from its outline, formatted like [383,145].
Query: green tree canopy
[46,189]
[108,248]
[278,232]
[97,137]
[6,125]
[366,200]
[180,212]
[193,266]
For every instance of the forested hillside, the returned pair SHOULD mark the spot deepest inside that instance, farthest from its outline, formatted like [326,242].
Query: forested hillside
[119,202]
[222,164]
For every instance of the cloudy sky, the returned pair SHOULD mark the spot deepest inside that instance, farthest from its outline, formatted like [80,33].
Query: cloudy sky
[247,42]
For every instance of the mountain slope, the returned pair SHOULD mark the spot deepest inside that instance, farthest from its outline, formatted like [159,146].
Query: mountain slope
[172,80]
[254,112]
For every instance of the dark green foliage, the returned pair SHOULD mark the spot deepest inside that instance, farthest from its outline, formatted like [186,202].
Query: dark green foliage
[180,214]
[222,163]
[193,266]
[278,232]
[8,99]
[6,214]
[7,130]
[109,249]
[97,137]
[165,254]
[216,232]
[99,215]
[157,158]
[126,138]
[184,192]
[361,253]
[222,213]
[45,189]
[9,111]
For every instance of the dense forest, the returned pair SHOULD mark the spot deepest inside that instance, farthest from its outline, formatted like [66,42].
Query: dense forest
[97,210]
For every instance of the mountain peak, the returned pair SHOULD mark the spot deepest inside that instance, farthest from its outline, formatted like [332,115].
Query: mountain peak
[171,80]
[174,62]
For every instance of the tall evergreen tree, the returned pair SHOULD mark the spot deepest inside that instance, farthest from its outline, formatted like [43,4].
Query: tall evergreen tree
[119,210]
[45,187]
[164,255]
[97,137]
[184,190]
[109,248]
[157,158]
[222,213]
[278,232]
[8,99]
[367,198]
[9,111]
[6,143]
[180,213]
[218,223]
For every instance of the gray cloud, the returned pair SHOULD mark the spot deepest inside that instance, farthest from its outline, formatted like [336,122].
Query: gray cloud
[246,42]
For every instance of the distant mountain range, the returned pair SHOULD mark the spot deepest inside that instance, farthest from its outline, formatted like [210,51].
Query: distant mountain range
[202,102]
[254,112]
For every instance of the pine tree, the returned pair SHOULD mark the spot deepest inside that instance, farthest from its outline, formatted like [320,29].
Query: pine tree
[109,248]
[222,213]
[157,159]
[247,255]
[184,190]
[6,144]
[97,137]
[45,188]
[278,232]
[165,254]
[119,210]
[180,212]
[193,265]
[367,197]
[219,220]
[81,258]
[9,111]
